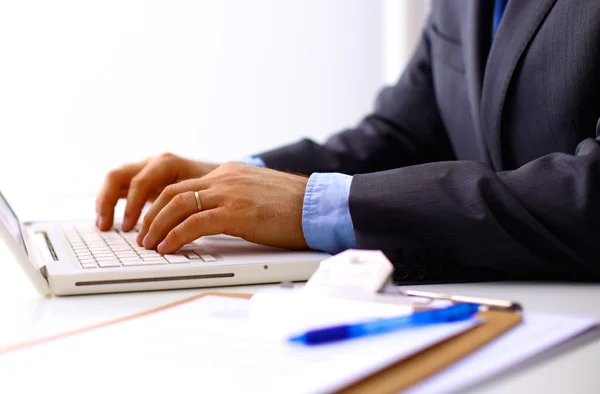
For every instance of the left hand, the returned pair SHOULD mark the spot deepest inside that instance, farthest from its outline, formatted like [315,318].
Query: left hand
[257,204]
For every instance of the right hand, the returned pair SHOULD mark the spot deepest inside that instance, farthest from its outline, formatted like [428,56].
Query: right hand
[143,182]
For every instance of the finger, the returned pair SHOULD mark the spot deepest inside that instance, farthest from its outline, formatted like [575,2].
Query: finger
[165,197]
[114,187]
[176,211]
[151,176]
[210,222]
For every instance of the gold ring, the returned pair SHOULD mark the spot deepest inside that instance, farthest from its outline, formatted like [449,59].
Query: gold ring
[198,203]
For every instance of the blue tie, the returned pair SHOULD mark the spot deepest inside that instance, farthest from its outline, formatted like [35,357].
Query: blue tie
[498,11]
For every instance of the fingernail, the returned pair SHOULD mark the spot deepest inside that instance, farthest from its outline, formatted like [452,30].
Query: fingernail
[161,247]
[140,238]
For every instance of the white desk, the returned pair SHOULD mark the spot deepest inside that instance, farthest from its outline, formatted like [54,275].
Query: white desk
[576,370]
[25,315]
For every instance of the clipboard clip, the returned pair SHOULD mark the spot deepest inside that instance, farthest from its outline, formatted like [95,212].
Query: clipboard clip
[488,303]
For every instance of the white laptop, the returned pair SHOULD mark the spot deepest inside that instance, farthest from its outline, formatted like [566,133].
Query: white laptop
[76,258]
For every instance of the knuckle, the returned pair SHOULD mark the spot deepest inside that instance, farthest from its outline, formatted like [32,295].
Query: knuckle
[166,156]
[179,200]
[170,191]
[231,165]
[175,236]
[138,182]
[231,171]
[195,220]
[113,175]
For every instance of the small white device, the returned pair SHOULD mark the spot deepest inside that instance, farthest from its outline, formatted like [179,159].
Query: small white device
[76,258]
[352,272]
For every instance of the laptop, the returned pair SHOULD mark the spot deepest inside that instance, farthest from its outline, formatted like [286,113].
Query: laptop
[65,258]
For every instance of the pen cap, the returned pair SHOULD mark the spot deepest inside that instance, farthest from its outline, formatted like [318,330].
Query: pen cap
[453,313]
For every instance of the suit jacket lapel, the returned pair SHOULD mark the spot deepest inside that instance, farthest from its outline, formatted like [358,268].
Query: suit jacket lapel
[476,34]
[520,22]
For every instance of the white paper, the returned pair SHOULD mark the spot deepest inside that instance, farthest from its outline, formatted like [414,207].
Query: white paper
[537,333]
[291,311]
[211,345]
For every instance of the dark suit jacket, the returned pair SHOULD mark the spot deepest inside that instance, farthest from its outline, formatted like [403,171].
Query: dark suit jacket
[480,163]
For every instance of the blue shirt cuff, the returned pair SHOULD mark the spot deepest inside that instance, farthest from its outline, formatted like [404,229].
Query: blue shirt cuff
[326,220]
[253,161]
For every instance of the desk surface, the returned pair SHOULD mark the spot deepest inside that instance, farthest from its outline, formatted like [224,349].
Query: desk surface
[26,315]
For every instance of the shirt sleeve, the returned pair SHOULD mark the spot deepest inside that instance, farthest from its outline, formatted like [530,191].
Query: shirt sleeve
[253,161]
[326,220]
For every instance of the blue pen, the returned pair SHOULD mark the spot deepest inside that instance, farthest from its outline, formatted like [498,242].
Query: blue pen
[450,314]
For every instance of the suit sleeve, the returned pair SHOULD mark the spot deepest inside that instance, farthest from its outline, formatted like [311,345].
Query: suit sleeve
[404,129]
[462,221]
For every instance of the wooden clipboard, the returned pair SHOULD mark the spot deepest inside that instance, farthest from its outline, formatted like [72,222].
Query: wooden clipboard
[412,370]
[392,379]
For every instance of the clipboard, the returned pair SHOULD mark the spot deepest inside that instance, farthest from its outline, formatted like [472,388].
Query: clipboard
[392,379]
[412,370]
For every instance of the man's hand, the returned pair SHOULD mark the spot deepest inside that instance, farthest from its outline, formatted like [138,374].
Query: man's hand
[257,204]
[142,182]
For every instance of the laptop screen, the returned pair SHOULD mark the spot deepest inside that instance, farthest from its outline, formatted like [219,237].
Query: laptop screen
[11,222]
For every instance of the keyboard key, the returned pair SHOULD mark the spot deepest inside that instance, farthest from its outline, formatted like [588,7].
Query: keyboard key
[91,244]
[144,262]
[121,249]
[147,258]
[102,253]
[130,258]
[207,258]
[153,257]
[100,250]
[187,249]
[148,251]
[176,258]
[119,243]
[138,263]
[108,263]
[104,256]
[153,262]
[96,249]
[127,254]
[132,263]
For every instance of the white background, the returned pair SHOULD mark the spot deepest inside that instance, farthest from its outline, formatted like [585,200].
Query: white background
[88,85]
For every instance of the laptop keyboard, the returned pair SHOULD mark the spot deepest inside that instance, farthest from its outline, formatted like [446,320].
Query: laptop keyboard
[109,249]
